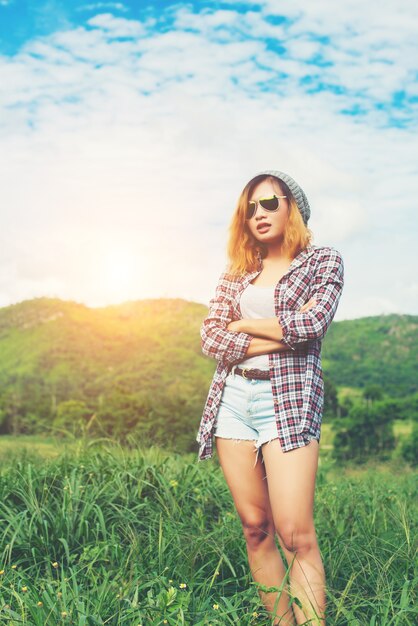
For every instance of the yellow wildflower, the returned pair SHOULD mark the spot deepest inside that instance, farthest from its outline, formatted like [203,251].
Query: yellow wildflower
[24,588]
[14,566]
[215,606]
[1,571]
[173,483]
[55,564]
[64,614]
[182,585]
[40,603]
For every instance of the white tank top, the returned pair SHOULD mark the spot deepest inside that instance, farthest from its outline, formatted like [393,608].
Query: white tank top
[257,303]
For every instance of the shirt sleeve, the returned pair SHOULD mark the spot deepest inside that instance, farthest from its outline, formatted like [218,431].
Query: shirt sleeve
[216,341]
[328,284]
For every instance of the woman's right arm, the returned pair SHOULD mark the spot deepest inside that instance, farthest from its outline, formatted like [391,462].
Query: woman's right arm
[258,346]
[216,340]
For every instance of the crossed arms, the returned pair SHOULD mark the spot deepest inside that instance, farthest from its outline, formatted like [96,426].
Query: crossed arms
[231,341]
[267,334]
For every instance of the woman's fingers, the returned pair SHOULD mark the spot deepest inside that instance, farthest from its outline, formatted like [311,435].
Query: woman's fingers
[307,305]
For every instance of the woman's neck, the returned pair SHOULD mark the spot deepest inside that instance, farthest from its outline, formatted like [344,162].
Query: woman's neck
[276,254]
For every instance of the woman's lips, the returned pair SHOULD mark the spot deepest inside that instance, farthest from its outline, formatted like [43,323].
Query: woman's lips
[262,228]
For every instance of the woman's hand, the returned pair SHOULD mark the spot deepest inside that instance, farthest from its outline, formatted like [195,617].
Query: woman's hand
[235,326]
[308,305]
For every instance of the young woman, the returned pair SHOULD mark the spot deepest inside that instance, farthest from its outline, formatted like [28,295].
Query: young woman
[265,325]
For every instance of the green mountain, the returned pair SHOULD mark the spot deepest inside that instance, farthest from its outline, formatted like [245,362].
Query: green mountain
[138,366]
[380,350]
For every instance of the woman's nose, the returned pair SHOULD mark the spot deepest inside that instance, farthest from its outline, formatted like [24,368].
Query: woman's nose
[259,213]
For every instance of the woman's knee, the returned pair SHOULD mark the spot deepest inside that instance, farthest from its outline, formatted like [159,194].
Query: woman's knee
[296,539]
[257,527]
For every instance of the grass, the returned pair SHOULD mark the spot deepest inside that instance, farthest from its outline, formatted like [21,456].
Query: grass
[52,447]
[99,534]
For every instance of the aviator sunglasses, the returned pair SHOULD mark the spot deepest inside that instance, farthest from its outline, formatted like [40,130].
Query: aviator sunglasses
[269,204]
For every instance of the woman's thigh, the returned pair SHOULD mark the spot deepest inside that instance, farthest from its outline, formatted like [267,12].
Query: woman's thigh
[291,485]
[246,481]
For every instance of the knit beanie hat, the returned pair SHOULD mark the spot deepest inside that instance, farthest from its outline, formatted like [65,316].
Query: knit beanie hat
[297,191]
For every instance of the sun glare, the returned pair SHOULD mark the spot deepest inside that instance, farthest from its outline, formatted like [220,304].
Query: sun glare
[119,274]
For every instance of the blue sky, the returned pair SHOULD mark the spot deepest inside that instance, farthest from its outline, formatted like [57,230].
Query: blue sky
[128,129]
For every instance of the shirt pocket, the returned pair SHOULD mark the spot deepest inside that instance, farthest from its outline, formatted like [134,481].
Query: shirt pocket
[298,288]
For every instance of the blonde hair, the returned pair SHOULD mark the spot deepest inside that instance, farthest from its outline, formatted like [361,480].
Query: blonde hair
[244,249]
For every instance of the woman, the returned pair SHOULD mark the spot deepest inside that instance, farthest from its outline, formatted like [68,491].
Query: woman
[265,325]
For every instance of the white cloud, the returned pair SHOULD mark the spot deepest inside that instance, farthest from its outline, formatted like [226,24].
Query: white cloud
[117,26]
[98,6]
[145,143]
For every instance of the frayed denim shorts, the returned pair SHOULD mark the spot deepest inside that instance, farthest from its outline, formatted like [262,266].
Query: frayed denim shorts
[246,411]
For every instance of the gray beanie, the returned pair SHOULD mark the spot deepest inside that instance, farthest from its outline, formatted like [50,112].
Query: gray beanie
[298,193]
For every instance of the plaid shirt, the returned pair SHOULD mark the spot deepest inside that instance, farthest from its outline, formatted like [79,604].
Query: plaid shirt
[296,373]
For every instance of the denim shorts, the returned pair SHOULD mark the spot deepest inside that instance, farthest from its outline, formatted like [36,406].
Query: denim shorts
[246,411]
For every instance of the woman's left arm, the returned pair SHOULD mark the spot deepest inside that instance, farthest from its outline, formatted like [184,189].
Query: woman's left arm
[266,328]
[311,323]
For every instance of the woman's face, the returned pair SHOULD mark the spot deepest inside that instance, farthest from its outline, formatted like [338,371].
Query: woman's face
[265,226]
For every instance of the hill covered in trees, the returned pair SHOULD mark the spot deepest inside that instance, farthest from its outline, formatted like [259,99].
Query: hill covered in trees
[380,350]
[138,366]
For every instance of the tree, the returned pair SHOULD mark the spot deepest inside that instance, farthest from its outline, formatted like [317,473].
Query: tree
[372,393]
[72,416]
[363,434]
[409,449]
[330,398]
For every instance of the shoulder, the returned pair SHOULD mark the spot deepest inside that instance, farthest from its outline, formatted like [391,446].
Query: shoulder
[327,253]
[229,278]
[226,283]
[328,259]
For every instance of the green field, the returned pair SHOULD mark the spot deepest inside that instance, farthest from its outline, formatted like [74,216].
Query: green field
[51,447]
[93,533]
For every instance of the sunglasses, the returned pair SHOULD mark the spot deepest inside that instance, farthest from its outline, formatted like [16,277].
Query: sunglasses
[269,204]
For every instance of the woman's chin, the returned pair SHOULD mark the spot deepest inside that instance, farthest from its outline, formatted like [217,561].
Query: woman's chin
[269,238]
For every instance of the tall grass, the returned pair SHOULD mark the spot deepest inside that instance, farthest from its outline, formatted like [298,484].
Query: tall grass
[109,535]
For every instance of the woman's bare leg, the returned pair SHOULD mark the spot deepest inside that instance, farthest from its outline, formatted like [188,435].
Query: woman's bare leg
[291,484]
[248,487]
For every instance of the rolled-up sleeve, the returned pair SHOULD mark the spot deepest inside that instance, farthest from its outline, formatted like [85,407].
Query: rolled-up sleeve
[328,284]
[216,341]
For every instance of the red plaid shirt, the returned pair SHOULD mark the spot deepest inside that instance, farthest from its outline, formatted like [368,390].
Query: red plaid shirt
[295,374]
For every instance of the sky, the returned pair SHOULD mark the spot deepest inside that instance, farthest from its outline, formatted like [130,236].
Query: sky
[129,129]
